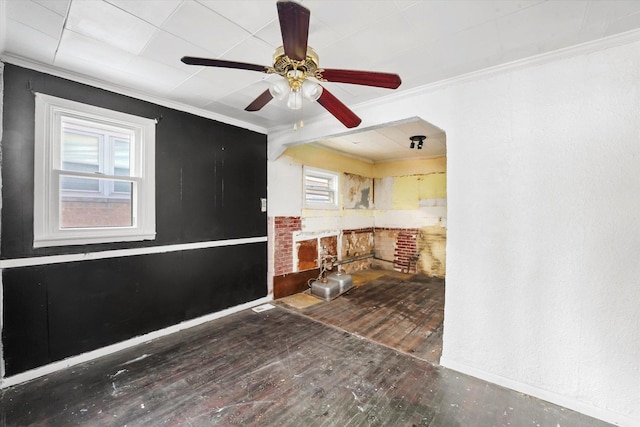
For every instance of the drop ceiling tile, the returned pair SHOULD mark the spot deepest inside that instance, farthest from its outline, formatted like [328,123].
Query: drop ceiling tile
[532,30]
[270,34]
[370,44]
[203,27]
[252,50]
[436,20]
[507,7]
[190,99]
[197,88]
[348,17]
[322,35]
[404,4]
[472,49]
[252,15]
[35,16]
[154,12]
[223,81]
[26,42]
[78,52]
[211,85]
[153,76]
[168,49]
[58,6]
[110,25]
[622,24]
[415,67]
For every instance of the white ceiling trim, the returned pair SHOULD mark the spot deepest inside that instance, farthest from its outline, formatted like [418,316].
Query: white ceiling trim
[100,84]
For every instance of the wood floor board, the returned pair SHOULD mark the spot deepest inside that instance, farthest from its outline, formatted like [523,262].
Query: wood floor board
[402,312]
[275,368]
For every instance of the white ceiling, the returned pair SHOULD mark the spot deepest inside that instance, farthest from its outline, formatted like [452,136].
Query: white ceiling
[137,45]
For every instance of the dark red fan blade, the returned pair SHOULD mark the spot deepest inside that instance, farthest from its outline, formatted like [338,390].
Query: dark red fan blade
[338,109]
[294,25]
[260,101]
[190,60]
[366,78]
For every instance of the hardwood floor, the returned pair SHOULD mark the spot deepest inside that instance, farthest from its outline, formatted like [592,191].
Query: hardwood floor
[274,368]
[402,312]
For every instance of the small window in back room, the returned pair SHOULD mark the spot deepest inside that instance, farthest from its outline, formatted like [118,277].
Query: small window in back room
[94,175]
[320,188]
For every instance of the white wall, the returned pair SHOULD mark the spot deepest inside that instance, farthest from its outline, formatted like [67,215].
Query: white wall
[543,277]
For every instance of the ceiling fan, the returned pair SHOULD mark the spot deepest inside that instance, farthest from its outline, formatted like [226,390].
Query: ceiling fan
[298,64]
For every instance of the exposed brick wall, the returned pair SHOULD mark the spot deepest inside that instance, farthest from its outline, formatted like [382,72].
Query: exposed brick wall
[406,253]
[284,226]
[399,246]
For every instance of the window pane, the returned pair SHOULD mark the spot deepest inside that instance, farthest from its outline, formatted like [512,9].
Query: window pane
[313,196]
[69,184]
[319,188]
[99,211]
[80,151]
[121,187]
[317,181]
[121,156]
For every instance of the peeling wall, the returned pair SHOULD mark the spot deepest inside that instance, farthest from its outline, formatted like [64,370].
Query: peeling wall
[357,191]
[432,242]
[354,244]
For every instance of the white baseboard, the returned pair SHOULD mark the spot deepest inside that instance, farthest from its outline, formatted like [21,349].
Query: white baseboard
[557,399]
[94,354]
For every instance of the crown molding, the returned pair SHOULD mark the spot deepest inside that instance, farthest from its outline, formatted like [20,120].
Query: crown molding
[121,90]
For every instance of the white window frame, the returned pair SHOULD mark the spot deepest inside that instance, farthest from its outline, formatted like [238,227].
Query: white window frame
[335,187]
[47,232]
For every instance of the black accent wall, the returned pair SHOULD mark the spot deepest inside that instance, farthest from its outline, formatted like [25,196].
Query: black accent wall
[210,177]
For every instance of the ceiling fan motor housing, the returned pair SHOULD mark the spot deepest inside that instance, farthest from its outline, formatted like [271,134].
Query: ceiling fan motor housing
[296,72]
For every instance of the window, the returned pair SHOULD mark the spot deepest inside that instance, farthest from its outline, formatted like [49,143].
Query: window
[320,188]
[94,175]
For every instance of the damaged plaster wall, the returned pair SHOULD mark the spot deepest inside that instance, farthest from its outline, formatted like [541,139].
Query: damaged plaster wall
[412,208]
[357,191]
[356,243]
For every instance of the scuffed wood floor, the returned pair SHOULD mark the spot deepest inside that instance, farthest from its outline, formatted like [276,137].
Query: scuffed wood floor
[402,313]
[274,368]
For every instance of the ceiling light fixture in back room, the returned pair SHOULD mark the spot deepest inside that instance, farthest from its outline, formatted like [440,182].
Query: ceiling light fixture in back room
[298,64]
[419,139]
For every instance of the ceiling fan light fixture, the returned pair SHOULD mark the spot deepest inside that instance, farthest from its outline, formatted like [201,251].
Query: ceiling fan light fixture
[311,90]
[279,89]
[295,100]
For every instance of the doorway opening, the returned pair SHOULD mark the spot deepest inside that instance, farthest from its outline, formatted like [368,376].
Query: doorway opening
[388,232]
